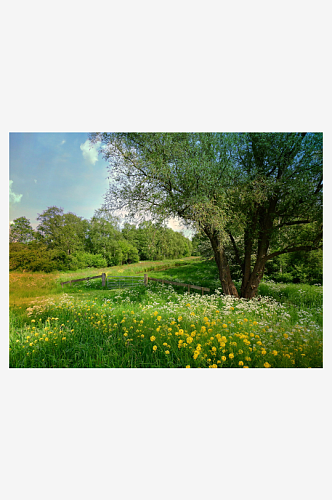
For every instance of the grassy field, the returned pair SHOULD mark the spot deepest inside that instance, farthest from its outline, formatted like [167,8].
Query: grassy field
[161,326]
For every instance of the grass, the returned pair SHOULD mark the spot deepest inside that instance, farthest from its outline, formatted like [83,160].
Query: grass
[163,326]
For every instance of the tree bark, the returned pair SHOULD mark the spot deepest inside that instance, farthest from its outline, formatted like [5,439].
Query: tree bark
[227,284]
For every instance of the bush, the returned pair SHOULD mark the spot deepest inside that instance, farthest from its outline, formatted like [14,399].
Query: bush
[283,277]
[82,260]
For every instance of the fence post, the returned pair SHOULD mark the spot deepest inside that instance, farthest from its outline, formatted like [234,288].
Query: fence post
[202,291]
[188,288]
[103,279]
[146,279]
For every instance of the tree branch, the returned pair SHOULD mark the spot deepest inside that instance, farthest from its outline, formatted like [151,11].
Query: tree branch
[303,248]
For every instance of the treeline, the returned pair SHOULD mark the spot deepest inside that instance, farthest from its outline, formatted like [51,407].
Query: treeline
[295,267]
[64,241]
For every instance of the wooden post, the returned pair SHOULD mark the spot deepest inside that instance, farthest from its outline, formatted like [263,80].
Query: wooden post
[146,279]
[103,279]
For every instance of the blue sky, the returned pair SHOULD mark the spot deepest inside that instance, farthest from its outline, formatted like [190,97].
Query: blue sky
[61,169]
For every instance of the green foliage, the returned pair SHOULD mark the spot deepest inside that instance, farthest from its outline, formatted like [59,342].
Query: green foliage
[255,196]
[36,257]
[82,260]
[21,231]
[157,242]
[59,230]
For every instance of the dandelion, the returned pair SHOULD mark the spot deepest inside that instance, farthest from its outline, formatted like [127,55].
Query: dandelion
[267,365]
[188,366]
[152,338]
[224,325]
[240,363]
[231,355]
[154,347]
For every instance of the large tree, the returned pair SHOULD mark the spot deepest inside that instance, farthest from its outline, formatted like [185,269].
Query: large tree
[253,191]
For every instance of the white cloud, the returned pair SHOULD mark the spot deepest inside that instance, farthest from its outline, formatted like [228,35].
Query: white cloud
[13,197]
[62,142]
[90,152]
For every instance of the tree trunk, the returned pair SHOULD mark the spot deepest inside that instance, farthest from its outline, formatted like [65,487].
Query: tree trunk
[227,284]
[249,287]
[250,281]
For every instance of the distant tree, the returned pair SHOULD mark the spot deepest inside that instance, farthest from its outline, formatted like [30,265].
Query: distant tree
[21,231]
[59,230]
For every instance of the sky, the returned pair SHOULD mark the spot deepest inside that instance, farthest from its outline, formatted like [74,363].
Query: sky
[56,169]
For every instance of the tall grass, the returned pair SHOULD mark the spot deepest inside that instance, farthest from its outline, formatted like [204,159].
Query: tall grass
[164,326]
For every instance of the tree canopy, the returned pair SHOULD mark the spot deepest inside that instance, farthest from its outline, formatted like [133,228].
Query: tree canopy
[256,196]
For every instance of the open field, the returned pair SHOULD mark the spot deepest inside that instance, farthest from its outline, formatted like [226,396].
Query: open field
[160,325]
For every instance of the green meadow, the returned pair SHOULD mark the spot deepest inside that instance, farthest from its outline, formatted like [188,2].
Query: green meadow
[161,326]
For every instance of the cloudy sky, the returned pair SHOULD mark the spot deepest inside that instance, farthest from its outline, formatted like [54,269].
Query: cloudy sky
[61,169]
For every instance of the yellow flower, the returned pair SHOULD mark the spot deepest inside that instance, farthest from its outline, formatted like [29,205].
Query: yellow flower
[231,355]
[203,329]
[267,365]
[285,335]
[154,347]
[188,366]
[246,367]
[205,319]
[214,349]
[46,339]
[223,358]
[240,363]
[263,352]
[166,352]
[152,338]
[159,318]
[275,353]
[224,325]
[180,318]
